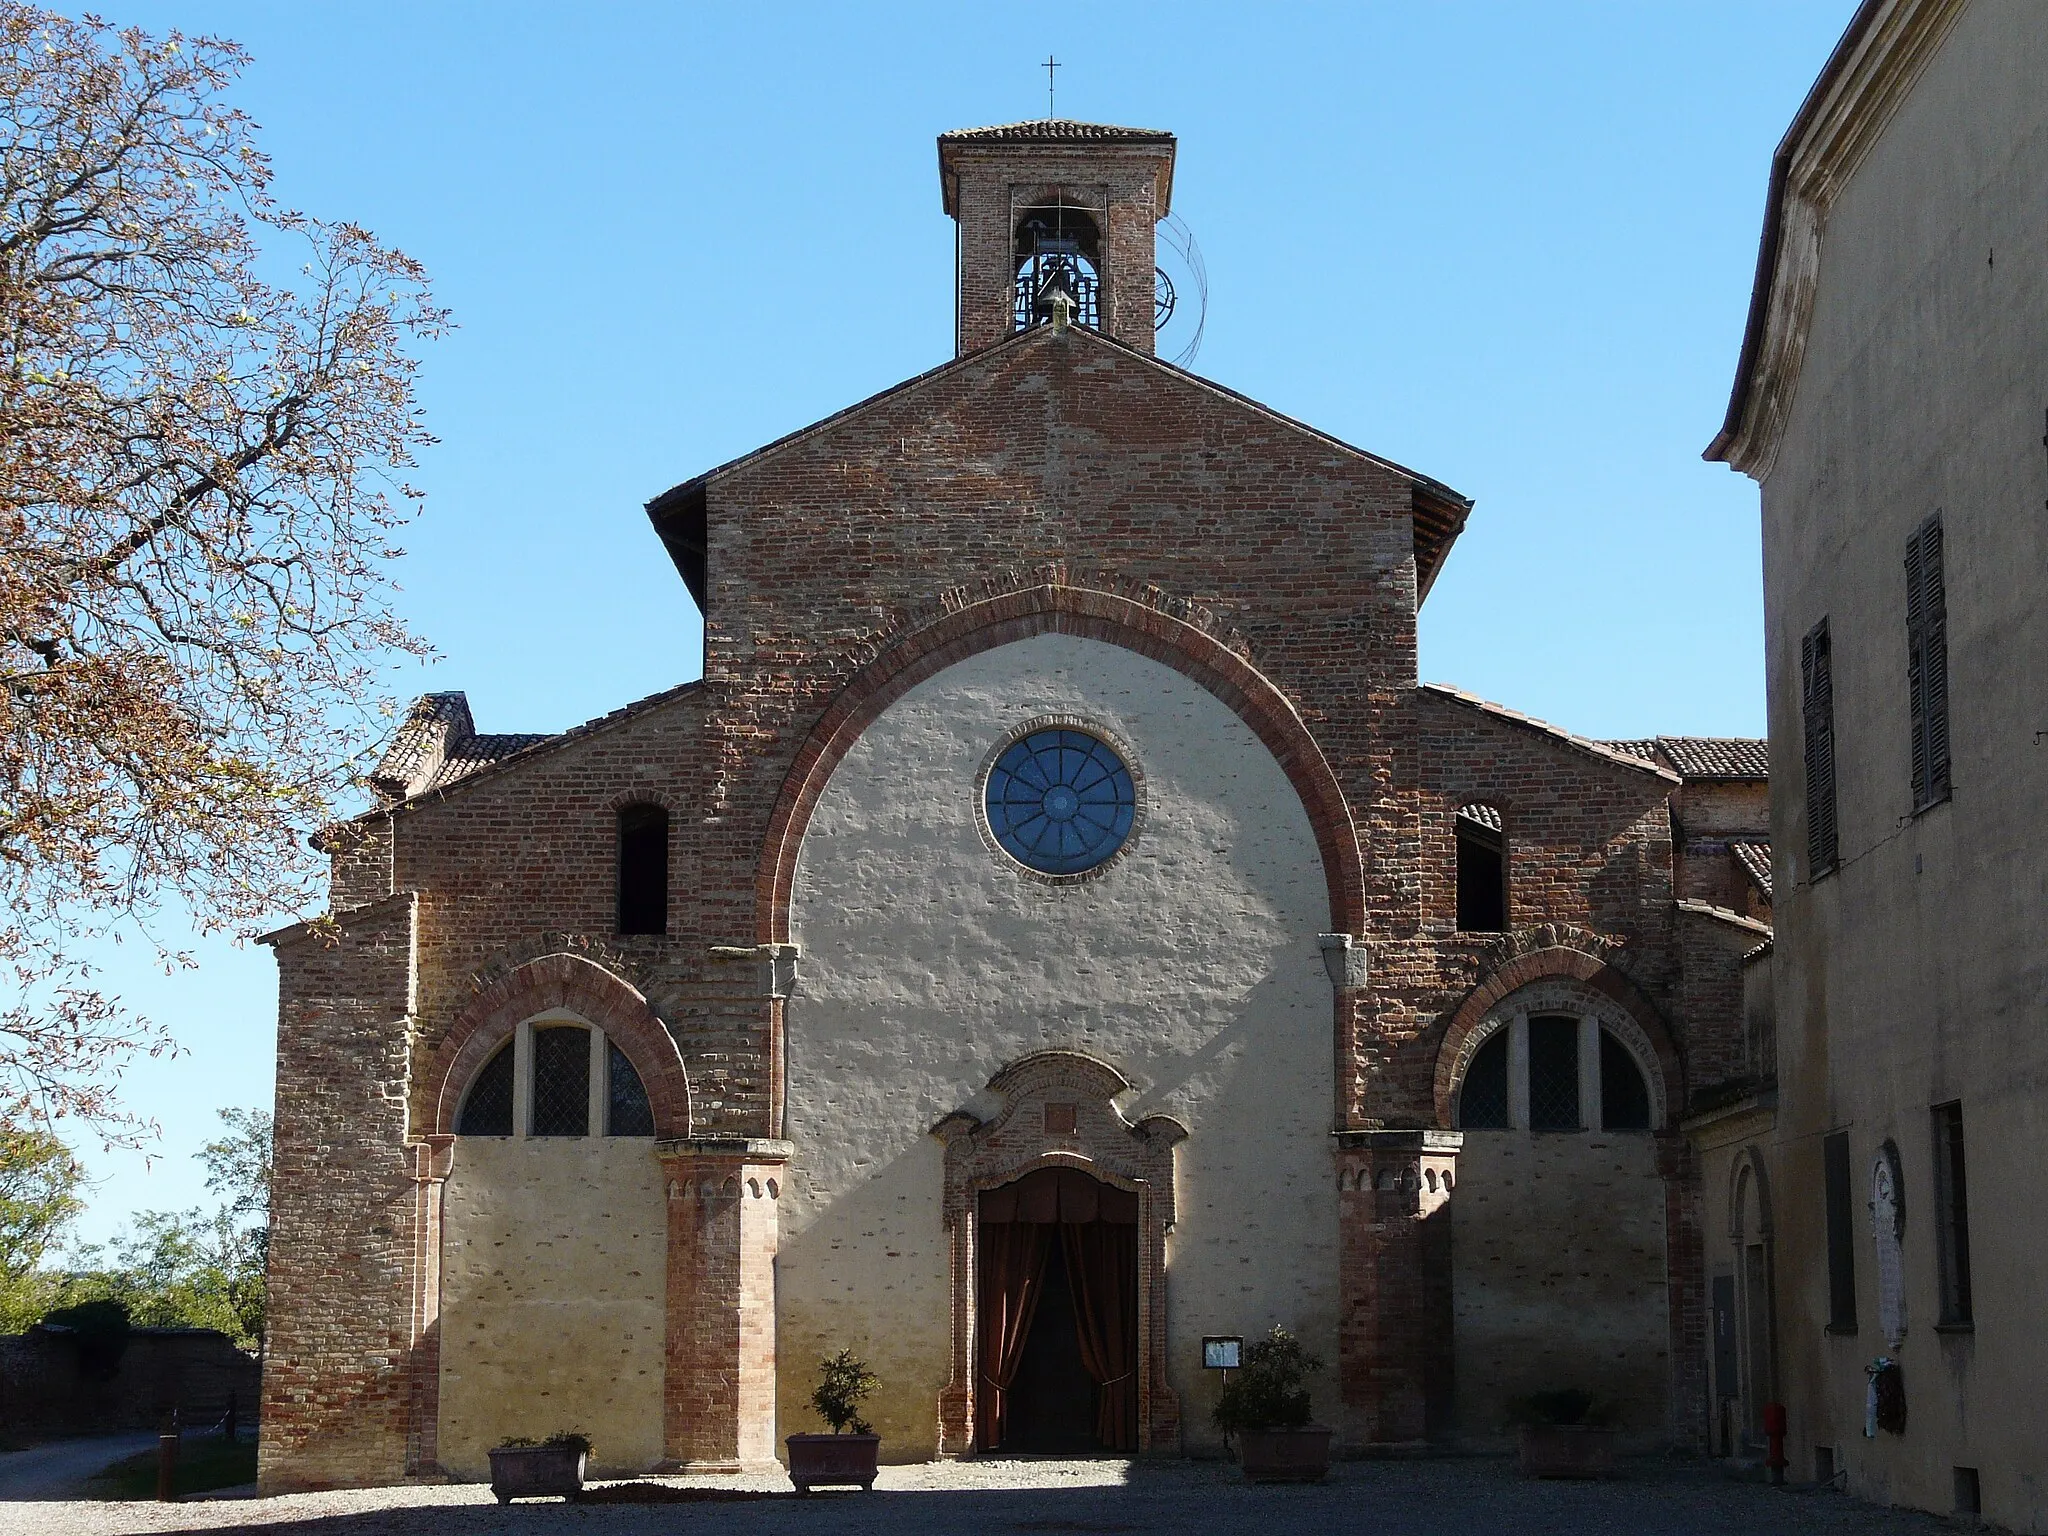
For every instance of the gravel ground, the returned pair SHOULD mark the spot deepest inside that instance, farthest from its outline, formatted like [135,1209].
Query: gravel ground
[995,1498]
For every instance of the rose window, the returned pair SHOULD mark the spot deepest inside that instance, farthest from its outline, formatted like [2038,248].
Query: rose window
[1060,801]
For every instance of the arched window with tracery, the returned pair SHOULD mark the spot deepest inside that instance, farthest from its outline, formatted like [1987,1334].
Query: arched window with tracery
[1554,1071]
[556,1077]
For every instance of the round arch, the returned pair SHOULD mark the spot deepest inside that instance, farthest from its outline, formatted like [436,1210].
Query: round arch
[1617,1000]
[567,983]
[1093,614]
[1748,1181]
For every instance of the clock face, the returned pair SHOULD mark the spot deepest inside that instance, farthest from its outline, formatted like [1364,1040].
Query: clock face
[1060,801]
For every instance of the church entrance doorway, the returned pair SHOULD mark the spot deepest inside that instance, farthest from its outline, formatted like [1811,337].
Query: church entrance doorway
[1057,1293]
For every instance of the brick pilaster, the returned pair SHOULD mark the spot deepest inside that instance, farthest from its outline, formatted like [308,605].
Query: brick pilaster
[1394,1363]
[718,1395]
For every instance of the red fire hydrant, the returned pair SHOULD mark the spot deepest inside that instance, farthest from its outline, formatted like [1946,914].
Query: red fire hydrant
[1774,1433]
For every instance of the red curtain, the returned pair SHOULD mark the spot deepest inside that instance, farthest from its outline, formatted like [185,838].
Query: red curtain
[1097,1228]
[1012,1273]
[1102,1270]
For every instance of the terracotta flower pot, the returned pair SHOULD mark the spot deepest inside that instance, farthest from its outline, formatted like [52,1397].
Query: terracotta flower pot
[536,1472]
[833,1461]
[1285,1455]
[1567,1450]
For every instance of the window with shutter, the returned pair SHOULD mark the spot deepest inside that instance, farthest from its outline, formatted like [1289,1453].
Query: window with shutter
[1817,699]
[1927,662]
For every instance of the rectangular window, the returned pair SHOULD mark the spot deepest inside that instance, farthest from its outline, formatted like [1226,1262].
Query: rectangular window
[1554,1074]
[1841,1234]
[1927,662]
[1952,1214]
[1817,708]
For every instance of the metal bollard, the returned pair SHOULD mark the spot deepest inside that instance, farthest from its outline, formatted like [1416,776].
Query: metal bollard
[167,1462]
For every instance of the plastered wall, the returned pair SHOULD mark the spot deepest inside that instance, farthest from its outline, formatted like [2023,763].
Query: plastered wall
[929,962]
[1913,975]
[551,1298]
[1558,1244]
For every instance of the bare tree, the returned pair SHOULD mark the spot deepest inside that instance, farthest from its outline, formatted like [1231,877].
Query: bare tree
[206,414]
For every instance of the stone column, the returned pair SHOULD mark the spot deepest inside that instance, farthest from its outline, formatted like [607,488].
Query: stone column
[718,1395]
[1394,1362]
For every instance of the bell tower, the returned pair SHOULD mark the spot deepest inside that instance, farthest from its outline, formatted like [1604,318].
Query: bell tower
[1049,207]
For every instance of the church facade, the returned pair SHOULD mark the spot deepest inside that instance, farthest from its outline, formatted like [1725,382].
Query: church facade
[1056,929]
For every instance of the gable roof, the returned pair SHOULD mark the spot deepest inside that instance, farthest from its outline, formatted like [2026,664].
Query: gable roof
[1704,757]
[679,513]
[1873,68]
[437,747]
[1606,751]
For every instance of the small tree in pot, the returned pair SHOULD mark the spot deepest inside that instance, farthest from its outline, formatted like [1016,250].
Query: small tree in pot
[1266,1406]
[1564,1433]
[848,1455]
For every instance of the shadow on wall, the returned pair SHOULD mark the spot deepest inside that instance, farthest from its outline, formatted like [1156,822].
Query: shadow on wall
[869,1272]
[1559,1278]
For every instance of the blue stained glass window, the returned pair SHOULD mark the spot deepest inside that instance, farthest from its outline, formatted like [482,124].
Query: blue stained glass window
[1060,801]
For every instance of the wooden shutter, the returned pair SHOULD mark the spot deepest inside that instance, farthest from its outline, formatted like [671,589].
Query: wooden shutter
[1817,698]
[1934,621]
[1927,662]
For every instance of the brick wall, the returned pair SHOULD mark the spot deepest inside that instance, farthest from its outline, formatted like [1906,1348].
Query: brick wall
[336,1383]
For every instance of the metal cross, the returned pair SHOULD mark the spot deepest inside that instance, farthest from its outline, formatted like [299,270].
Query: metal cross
[1051,64]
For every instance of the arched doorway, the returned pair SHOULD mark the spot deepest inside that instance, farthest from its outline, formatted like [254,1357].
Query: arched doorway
[1755,1295]
[1057,1309]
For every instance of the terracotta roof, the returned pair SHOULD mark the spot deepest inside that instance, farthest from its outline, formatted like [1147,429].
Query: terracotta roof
[465,754]
[1599,749]
[1642,749]
[472,753]
[1703,757]
[1717,757]
[1755,859]
[1481,814]
[1039,128]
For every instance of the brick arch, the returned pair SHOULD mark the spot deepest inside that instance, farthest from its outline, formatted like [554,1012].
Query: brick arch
[543,985]
[1056,607]
[644,794]
[1549,963]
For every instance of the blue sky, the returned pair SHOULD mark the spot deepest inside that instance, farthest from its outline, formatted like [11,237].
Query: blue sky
[1509,245]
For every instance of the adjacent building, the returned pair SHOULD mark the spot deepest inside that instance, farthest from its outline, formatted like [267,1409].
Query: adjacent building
[1879,1233]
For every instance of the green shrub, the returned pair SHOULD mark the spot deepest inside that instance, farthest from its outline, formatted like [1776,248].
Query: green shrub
[843,1381]
[1270,1391]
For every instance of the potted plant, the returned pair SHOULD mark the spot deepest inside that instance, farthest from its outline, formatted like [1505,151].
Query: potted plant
[538,1469]
[847,1456]
[1567,1433]
[1266,1406]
